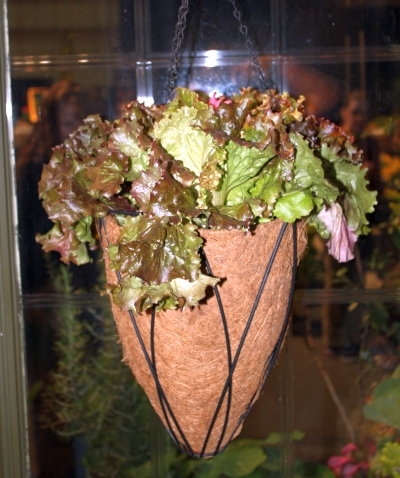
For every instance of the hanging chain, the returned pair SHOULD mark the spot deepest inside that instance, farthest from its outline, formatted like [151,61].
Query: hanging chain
[172,73]
[244,31]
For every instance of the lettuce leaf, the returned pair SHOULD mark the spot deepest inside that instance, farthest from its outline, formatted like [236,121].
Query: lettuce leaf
[84,230]
[191,146]
[342,236]
[199,162]
[357,199]
[186,97]
[160,195]
[106,175]
[294,206]
[63,239]
[192,292]
[269,186]
[242,165]
[124,138]
[309,173]
[156,251]
[308,189]
[131,293]
[63,190]
[231,217]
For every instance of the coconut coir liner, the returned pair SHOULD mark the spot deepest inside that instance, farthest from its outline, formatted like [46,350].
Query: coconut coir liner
[190,346]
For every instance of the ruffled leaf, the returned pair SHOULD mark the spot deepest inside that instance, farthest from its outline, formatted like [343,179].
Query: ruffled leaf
[63,240]
[342,236]
[157,251]
[192,292]
[191,146]
[242,165]
[106,175]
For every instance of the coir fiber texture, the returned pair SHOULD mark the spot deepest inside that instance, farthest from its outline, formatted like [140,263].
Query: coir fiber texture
[190,347]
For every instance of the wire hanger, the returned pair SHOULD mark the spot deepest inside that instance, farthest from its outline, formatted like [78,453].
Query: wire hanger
[172,73]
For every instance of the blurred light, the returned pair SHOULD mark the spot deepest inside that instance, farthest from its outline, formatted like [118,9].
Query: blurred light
[9,110]
[211,58]
[146,100]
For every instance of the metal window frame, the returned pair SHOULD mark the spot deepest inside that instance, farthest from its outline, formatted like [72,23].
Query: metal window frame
[14,461]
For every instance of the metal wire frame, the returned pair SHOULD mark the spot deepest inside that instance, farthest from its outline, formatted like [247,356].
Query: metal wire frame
[178,436]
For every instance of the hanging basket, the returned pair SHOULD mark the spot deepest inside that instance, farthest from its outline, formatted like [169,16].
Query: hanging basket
[203,368]
[218,166]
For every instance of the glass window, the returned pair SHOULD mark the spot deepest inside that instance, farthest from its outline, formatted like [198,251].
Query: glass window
[72,59]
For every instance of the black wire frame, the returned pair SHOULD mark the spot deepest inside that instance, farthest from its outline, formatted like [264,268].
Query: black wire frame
[178,435]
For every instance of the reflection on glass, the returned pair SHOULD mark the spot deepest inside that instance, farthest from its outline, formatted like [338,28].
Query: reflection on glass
[90,58]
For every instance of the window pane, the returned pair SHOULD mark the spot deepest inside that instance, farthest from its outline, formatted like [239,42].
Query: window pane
[73,59]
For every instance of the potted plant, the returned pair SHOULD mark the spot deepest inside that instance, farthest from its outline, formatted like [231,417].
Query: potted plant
[193,194]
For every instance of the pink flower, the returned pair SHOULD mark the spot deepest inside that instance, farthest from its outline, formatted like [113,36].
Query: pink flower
[348,449]
[344,465]
[342,240]
[350,469]
[371,447]
[216,102]
[336,463]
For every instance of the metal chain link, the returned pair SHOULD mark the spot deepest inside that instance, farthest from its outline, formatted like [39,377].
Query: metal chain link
[249,44]
[172,73]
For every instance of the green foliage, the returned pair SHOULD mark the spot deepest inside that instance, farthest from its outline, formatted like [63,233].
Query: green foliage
[390,459]
[385,404]
[215,163]
[243,164]
[386,462]
[236,461]
[93,396]
[191,146]
[243,458]
[312,470]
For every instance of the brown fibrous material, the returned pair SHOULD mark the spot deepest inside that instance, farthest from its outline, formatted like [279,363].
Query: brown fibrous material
[191,358]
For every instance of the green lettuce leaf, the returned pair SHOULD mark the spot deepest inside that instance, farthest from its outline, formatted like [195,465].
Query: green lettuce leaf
[294,206]
[192,292]
[211,174]
[84,230]
[131,293]
[191,146]
[255,129]
[242,165]
[309,173]
[357,199]
[187,97]
[124,138]
[269,186]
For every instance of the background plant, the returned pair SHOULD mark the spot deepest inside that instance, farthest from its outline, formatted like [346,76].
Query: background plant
[92,397]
